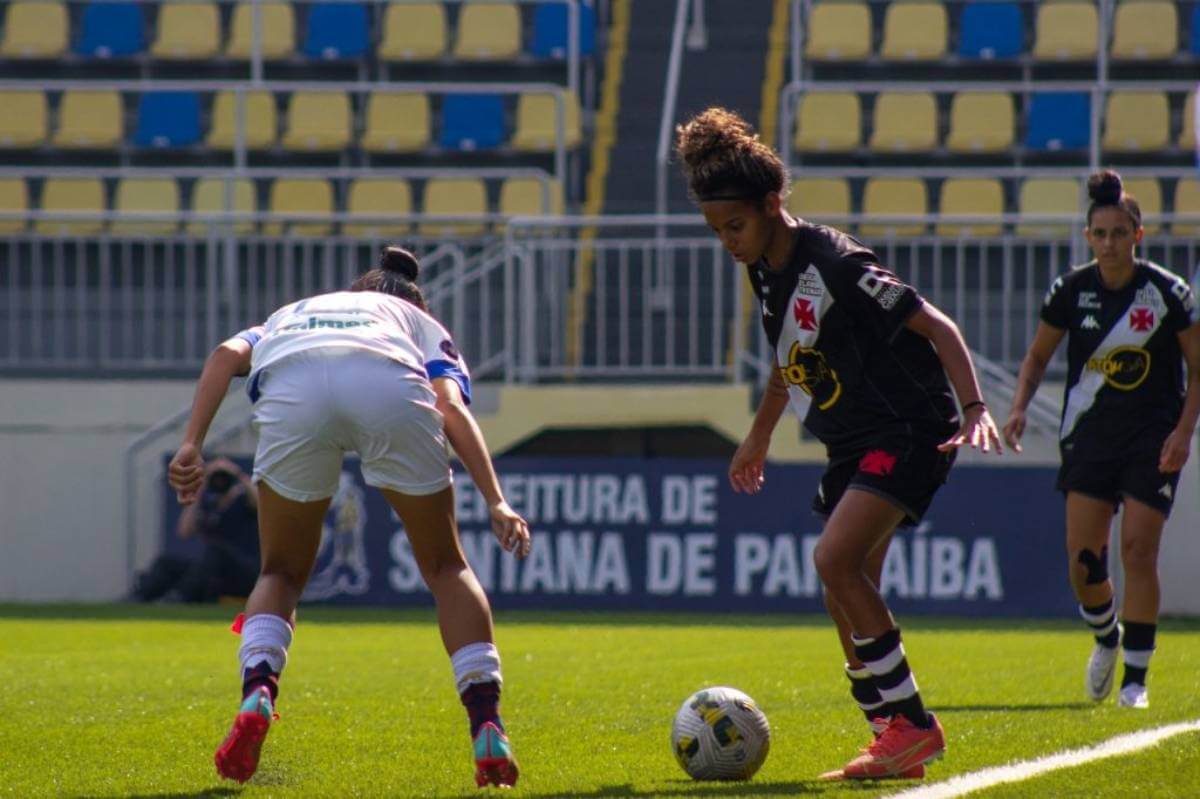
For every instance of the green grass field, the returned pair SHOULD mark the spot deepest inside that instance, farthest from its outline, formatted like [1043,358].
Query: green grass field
[128,701]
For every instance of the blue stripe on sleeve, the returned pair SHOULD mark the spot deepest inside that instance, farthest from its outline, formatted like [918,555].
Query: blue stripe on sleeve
[450,370]
[251,335]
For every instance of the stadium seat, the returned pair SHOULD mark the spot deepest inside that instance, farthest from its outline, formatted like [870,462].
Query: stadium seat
[820,198]
[70,195]
[454,197]
[914,30]
[168,119]
[378,198]
[260,121]
[89,120]
[415,32]
[528,197]
[904,123]
[209,196]
[991,30]
[24,121]
[396,123]
[112,30]
[14,197]
[187,31]
[967,196]
[488,32]
[980,122]
[278,30]
[472,121]
[336,30]
[1058,121]
[1049,196]
[1149,196]
[828,122]
[34,29]
[1195,48]
[894,196]
[1187,201]
[1066,31]
[1136,122]
[1187,134]
[537,122]
[300,196]
[551,34]
[1145,30]
[838,31]
[317,122]
[141,195]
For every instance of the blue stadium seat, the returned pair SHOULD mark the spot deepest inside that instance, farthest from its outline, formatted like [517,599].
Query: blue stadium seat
[1058,121]
[991,30]
[168,119]
[336,30]
[472,121]
[112,30]
[550,33]
[1196,30]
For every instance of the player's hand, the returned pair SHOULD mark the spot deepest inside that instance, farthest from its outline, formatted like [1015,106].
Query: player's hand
[1014,428]
[978,431]
[511,530]
[186,473]
[1174,451]
[746,468]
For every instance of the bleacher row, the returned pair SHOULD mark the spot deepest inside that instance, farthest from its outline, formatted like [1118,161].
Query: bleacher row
[491,31]
[383,202]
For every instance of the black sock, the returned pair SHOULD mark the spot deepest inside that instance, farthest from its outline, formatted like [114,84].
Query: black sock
[482,701]
[884,658]
[259,675]
[862,688]
[1102,619]
[1138,643]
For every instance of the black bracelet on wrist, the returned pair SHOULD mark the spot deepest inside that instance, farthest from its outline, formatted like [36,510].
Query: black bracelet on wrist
[974,403]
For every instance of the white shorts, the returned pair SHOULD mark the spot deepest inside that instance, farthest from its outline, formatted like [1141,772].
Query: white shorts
[315,406]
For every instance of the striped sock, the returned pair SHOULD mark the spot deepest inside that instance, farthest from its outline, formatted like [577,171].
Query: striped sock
[862,688]
[884,658]
[1138,643]
[1102,619]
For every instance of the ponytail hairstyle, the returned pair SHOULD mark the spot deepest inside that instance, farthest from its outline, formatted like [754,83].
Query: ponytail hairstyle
[1104,188]
[396,275]
[724,159]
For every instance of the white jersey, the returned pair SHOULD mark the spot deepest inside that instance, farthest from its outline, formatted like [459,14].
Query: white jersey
[361,320]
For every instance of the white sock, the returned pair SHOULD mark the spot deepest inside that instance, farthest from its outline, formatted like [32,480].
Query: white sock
[476,663]
[265,637]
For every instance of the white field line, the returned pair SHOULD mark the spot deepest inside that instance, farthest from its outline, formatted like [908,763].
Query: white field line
[1017,772]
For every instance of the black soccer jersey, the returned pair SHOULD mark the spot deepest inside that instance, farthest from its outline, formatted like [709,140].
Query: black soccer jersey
[1124,388]
[853,371]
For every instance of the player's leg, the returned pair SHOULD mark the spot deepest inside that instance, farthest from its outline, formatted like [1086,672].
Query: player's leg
[1088,520]
[1141,533]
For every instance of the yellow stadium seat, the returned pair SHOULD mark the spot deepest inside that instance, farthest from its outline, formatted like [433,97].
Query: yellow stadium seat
[454,197]
[89,120]
[1187,135]
[1136,122]
[488,32]
[1149,196]
[531,197]
[904,123]
[1187,201]
[537,123]
[141,195]
[278,30]
[1066,31]
[396,123]
[816,199]
[894,196]
[1048,196]
[914,31]
[260,121]
[1145,30]
[187,30]
[971,196]
[413,32]
[72,195]
[317,122]
[838,31]
[980,122]
[828,122]
[34,29]
[14,197]
[209,196]
[379,198]
[300,196]
[23,122]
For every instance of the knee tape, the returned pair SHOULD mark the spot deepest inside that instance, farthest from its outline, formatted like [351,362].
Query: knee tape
[1097,567]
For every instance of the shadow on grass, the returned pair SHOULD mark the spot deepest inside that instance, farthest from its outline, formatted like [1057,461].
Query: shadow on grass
[1014,708]
[210,793]
[689,788]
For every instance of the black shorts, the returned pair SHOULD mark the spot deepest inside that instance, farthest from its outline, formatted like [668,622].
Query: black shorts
[905,471]
[1136,476]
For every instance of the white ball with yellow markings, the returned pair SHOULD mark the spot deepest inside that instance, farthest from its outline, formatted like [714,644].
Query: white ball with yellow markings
[720,734]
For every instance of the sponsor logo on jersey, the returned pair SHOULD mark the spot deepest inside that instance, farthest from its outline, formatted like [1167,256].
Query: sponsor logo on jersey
[877,462]
[882,286]
[1141,319]
[1150,295]
[805,314]
[1090,300]
[1089,323]
[1123,368]
[1166,491]
[808,371]
[809,283]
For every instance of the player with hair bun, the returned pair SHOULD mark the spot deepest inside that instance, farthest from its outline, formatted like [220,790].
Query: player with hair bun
[368,371]
[864,361]
[1126,428]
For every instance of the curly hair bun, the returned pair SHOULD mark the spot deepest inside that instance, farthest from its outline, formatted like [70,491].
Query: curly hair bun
[710,134]
[400,261]
[1105,187]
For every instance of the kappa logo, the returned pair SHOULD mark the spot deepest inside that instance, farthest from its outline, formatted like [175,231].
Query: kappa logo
[805,314]
[1090,300]
[1089,323]
[1166,490]
[877,462]
[1141,319]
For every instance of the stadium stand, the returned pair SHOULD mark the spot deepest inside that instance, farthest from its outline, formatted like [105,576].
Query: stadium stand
[336,30]
[914,30]
[828,122]
[413,32]
[396,123]
[1187,132]
[1149,197]
[317,122]
[278,30]
[981,122]
[381,199]
[551,32]
[1136,121]
[818,198]
[537,128]
[896,197]
[488,32]
[1145,30]
[34,29]
[261,122]
[904,122]
[300,196]
[1066,31]
[472,122]
[1058,121]
[111,30]
[971,196]
[454,197]
[145,195]
[187,31]
[89,120]
[168,119]
[66,195]
[1187,201]
[991,31]
[24,123]
[839,31]
[14,198]
[1047,196]
[525,197]
[209,197]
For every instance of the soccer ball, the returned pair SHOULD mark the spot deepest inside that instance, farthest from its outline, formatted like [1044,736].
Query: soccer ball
[720,734]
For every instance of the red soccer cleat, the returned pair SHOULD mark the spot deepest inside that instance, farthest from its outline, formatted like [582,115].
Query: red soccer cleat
[494,761]
[237,756]
[898,752]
